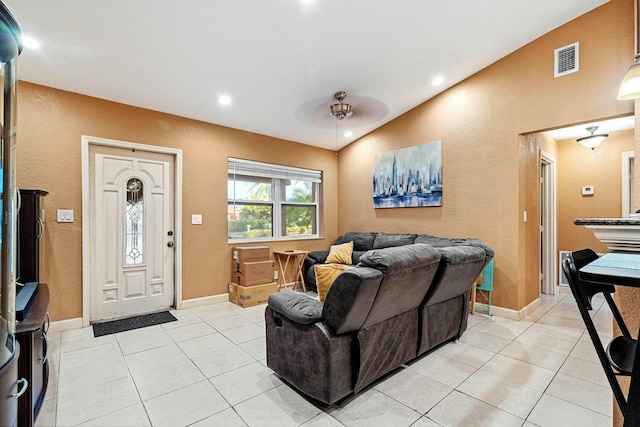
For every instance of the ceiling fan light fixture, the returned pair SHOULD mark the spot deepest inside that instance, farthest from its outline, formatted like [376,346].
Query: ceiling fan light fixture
[340,110]
[592,141]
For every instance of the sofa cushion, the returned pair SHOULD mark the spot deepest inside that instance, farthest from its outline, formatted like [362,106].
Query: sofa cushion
[386,240]
[340,254]
[445,242]
[296,306]
[403,258]
[361,241]
[438,242]
[408,275]
[349,300]
[325,275]
[355,257]
[462,254]
[318,256]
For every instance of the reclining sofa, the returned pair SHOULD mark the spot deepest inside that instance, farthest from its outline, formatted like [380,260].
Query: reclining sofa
[405,295]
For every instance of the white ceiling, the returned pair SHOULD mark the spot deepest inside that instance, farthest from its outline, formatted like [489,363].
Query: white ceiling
[280,61]
[604,126]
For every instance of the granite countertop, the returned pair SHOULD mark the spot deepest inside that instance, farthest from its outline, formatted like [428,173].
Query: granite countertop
[607,221]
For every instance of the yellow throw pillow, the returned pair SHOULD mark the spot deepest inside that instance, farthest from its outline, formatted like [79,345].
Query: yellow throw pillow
[325,275]
[340,254]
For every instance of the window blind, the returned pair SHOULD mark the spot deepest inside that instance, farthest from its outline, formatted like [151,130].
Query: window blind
[270,170]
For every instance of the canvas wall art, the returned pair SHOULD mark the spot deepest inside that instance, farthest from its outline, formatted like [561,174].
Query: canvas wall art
[407,178]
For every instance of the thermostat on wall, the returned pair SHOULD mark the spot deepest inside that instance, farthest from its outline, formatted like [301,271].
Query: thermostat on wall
[587,191]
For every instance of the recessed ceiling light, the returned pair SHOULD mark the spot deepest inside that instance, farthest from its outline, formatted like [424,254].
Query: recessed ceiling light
[224,100]
[437,81]
[348,134]
[30,42]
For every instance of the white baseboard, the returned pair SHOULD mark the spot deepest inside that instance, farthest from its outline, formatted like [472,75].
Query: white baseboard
[510,313]
[197,302]
[65,325]
[70,324]
[530,308]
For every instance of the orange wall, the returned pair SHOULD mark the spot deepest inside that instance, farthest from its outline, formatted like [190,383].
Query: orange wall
[530,202]
[579,167]
[50,125]
[479,122]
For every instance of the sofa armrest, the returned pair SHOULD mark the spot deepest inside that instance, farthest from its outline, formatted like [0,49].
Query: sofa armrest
[296,306]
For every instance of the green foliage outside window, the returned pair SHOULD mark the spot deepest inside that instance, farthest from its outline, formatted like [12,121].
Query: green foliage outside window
[256,220]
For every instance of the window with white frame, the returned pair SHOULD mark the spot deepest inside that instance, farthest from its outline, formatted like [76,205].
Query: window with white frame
[272,202]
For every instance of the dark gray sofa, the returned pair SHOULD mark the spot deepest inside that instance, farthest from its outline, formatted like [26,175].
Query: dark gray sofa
[406,295]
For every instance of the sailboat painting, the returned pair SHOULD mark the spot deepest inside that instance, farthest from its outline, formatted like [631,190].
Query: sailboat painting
[408,178]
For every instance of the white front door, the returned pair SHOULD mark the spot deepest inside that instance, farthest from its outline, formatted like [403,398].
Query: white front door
[132,257]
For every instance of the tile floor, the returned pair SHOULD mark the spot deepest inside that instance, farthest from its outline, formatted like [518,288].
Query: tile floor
[209,369]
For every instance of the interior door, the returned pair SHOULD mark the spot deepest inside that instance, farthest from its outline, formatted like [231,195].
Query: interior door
[548,227]
[132,258]
[543,221]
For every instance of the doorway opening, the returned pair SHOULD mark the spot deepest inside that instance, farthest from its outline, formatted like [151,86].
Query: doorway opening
[561,193]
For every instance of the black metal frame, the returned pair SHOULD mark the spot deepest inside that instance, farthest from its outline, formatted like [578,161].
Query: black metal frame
[583,292]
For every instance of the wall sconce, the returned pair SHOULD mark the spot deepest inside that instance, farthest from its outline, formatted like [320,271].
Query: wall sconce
[630,85]
[592,141]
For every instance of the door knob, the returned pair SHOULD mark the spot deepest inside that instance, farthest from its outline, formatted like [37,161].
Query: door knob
[170,233]
[170,244]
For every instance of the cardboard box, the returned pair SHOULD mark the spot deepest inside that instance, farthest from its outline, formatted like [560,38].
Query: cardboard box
[243,254]
[252,295]
[250,253]
[254,273]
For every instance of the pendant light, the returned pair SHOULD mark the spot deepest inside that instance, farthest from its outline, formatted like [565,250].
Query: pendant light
[592,141]
[630,85]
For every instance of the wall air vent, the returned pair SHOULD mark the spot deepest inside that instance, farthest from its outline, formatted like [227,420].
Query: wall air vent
[566,60]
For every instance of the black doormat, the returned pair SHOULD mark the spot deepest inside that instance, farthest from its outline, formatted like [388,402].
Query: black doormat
[136,322]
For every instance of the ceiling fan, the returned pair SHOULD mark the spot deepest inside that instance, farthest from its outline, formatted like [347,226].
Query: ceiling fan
[341,110]
[323,113]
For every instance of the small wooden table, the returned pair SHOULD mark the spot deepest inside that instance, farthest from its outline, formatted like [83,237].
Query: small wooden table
[472,308]
[296,258]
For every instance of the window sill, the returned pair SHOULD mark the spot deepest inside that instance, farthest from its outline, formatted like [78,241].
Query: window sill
[283,239]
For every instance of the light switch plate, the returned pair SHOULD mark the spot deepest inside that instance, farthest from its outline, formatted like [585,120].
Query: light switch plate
[588,190]
[64,215]
[196,219]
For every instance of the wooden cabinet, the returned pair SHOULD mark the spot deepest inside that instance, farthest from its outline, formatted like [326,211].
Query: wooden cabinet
[30,235]
[31,334]
[8,388]
[31,329]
